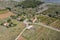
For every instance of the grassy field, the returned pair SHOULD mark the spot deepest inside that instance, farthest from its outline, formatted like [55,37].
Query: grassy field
[41,33]
[3,11]
[12,32]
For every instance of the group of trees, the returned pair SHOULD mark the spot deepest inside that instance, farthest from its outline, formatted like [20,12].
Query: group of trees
[9,23]
[17,17]
[29,3]
[55,15]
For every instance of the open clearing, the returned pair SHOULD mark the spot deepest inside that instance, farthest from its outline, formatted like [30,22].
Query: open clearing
[5,14]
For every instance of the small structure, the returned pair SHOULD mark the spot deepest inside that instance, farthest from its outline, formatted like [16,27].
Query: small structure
[29,27]
[27,24]
[34,20]
[6,24]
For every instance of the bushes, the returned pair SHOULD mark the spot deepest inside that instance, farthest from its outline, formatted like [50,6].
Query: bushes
[1,24]
[8,8]
[22,13]
[13,17]
[12,24]
[8,23]
[9,20]
[22,19]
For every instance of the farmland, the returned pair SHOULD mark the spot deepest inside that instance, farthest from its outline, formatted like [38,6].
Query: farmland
[41,33]
[53,20]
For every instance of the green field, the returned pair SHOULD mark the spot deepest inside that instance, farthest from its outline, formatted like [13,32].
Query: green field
[41,33]
[3,11]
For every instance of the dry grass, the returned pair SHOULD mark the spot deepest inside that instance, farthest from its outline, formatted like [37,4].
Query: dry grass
[41,33]
[6,14]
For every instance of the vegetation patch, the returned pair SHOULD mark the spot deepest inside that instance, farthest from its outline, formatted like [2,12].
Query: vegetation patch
[30,3]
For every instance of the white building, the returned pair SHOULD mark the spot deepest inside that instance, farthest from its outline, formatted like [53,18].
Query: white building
[29,27]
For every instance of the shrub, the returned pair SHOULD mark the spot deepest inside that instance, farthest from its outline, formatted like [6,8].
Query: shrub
[13,17]
[14,24]
[1,24]
[9,20]
[8,8]
[22,19]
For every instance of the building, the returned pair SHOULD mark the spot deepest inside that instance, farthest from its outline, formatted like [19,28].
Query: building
[30,26]
[6,24]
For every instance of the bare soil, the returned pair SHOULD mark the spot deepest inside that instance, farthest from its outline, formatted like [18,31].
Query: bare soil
[6,14]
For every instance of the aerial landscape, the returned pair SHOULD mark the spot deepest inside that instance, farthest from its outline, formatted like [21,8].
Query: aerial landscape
[29,19]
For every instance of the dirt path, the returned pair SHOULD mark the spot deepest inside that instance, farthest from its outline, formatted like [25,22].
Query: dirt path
[5,15]
[46,26]
[21,33]
[54,22]
[21,38]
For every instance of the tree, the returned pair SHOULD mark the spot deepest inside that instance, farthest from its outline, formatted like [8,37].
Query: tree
[8,8]
[14,17]
[57,12]
[49,15]
[1,23]
[9,20]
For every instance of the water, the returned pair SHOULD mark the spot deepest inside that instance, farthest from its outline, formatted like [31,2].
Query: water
[52,1]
